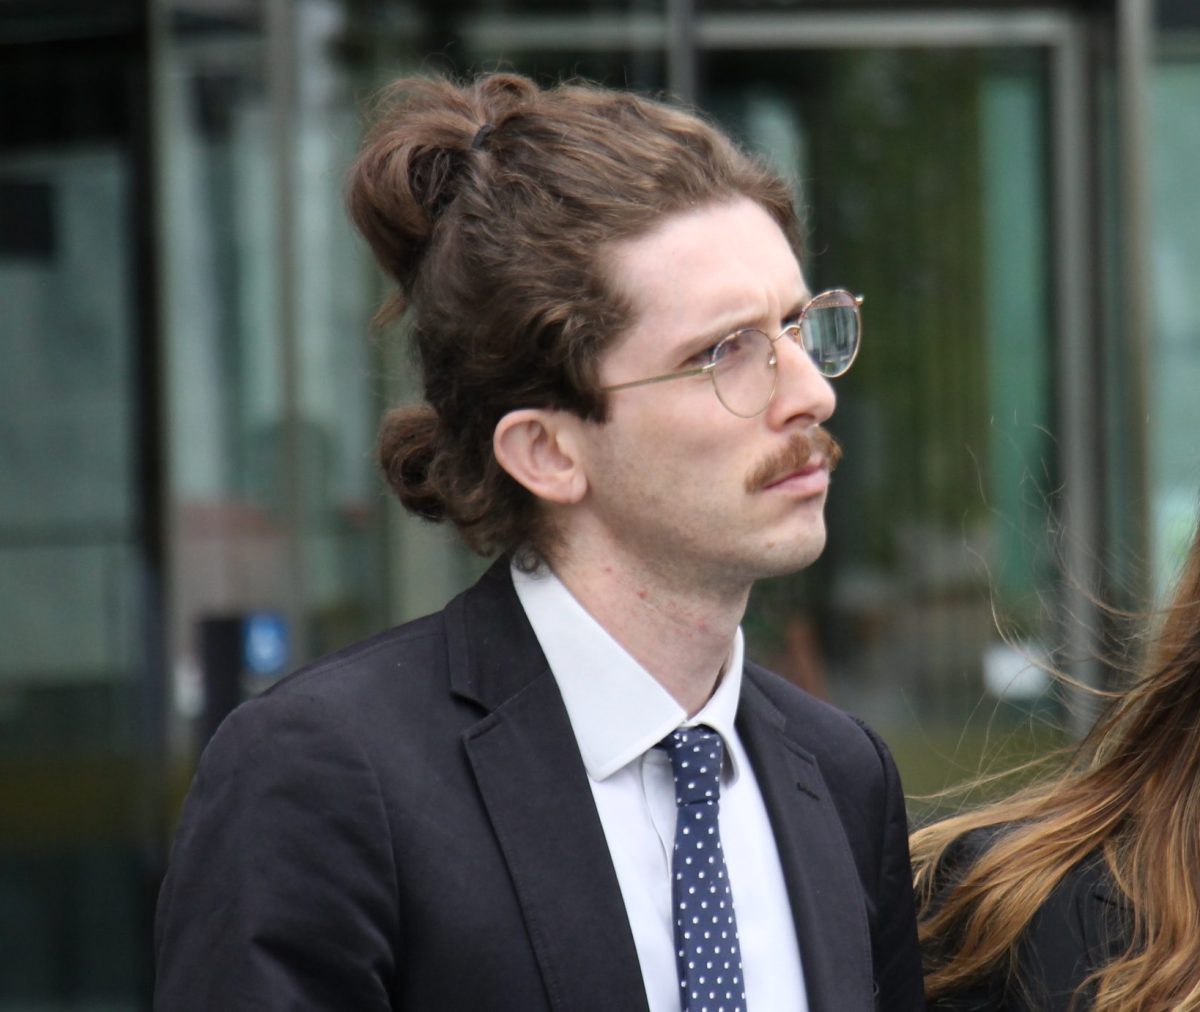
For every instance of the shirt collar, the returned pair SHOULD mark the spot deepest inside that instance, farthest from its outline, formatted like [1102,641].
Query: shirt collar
[617,709]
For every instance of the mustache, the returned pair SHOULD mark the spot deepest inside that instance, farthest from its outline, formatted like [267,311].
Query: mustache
[794,456]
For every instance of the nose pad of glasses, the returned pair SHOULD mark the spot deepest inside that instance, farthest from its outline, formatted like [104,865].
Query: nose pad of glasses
[773,358]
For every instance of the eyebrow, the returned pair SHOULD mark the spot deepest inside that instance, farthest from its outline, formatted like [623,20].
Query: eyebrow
[688,347]
[718,333]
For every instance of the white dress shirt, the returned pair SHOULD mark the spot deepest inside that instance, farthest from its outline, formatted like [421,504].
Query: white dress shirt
[619,712]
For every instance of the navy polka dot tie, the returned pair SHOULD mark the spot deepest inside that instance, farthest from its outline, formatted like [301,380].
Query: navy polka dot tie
[706,941]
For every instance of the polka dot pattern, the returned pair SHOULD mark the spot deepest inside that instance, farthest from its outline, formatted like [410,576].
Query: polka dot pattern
[707,953]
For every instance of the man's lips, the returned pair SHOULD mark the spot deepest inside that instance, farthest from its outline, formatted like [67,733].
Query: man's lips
[805,462]
[804,477]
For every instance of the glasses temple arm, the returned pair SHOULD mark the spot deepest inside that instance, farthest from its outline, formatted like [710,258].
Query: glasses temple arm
[698,371]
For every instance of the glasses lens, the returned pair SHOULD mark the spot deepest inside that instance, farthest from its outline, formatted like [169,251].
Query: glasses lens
[744,372]
[831,330]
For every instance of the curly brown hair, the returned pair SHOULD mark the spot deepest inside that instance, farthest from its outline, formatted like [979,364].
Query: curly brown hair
[493,206]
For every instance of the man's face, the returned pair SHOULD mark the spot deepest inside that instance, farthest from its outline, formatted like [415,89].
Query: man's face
[677,483]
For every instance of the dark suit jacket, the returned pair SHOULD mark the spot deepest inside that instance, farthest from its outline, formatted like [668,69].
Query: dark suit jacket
[1082,925]
[407,824]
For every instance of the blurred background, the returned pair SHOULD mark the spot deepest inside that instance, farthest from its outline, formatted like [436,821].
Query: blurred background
[189,389]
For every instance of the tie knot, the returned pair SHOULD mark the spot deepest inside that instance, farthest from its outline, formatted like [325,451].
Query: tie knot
[696,754]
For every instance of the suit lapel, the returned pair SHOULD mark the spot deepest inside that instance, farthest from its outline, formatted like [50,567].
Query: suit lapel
[535,789]
[823,886]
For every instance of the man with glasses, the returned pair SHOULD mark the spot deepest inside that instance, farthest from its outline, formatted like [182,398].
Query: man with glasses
[568,790]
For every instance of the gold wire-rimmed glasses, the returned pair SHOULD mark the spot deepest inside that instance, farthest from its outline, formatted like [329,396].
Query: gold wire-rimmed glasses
[744,367]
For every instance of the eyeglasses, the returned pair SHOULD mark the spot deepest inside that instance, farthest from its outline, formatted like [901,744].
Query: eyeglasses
[744,367]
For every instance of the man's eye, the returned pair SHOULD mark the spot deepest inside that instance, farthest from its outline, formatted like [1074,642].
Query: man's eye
[736,346]
[704,356]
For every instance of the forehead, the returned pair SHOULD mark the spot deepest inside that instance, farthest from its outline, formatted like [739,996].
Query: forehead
[720,263]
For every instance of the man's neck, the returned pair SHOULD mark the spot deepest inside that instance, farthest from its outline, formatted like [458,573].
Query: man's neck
[680,632]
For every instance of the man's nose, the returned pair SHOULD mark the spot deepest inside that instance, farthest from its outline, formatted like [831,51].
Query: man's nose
[802,393]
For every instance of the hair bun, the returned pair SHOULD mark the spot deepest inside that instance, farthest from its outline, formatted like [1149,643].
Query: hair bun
[415,157]
[407,448]
[403,177]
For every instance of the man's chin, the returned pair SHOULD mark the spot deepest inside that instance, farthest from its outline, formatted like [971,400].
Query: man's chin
[795,555]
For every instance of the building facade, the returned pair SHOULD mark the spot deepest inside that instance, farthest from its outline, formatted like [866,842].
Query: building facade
[189,381]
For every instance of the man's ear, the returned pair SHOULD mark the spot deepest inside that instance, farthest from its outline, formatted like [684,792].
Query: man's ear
[540,449]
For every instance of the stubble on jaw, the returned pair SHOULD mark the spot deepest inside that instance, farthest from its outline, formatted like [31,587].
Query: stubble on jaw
[794,456]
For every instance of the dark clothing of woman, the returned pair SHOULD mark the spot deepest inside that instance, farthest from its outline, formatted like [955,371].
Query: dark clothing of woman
[1082,925]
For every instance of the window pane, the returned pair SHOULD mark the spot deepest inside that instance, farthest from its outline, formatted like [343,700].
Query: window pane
[73,712]
[1174,353]
[273,392]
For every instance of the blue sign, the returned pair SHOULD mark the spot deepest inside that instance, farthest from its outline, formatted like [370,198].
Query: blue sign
[264,643]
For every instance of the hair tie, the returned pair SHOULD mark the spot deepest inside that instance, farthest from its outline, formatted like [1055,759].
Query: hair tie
[481,136]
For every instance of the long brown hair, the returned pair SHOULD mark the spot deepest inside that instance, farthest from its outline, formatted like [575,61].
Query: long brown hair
[1131,793]
[493,206]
